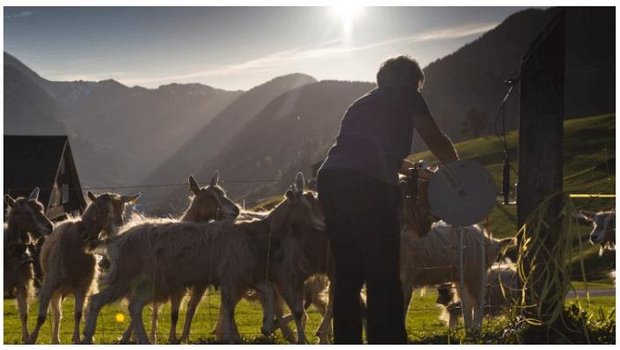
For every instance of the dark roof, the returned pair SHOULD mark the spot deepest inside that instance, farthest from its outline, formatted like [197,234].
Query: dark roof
[31,161]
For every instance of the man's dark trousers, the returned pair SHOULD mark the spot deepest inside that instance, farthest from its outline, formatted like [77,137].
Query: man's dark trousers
[361,214]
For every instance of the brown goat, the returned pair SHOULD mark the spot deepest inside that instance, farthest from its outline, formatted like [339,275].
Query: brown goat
[208,203]
[153,260]
[67,259]
[26,222]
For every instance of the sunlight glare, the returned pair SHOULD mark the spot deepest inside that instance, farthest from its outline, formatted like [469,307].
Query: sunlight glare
[347,11]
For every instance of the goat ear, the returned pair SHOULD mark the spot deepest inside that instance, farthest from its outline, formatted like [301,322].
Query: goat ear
[9,200]
[131,198]
[91,195]
[299,182]
[215,178]
[193,185]
[581,218]
[35,194]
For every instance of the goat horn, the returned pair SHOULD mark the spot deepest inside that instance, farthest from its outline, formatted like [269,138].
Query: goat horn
[131,198]
[299,182]
[215,178]
[35,194]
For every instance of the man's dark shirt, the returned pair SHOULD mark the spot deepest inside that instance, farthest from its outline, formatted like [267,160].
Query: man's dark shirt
[376,133]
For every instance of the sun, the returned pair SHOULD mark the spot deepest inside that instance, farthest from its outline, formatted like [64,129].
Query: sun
[347,11]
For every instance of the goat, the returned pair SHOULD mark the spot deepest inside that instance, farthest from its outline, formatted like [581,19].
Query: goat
[434,259]
[503,291]
[151,260]
[68,262]
[208,203]
[304,254]
[26,222]
[604,228]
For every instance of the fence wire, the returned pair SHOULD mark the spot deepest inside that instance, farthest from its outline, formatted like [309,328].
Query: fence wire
[110,327]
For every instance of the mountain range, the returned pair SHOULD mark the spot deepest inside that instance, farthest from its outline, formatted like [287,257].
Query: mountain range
[258,139]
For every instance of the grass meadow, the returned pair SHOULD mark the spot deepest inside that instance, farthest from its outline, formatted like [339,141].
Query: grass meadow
[423,324]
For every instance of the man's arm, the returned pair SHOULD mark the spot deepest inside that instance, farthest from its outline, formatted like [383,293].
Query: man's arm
[438,143]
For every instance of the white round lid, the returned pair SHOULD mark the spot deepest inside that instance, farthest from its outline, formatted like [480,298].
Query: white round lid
[461,193]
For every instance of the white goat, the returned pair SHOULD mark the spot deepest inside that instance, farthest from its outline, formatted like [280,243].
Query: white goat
[434,259]
[68,262]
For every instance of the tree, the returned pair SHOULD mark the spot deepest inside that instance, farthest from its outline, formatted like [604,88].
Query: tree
[475,122]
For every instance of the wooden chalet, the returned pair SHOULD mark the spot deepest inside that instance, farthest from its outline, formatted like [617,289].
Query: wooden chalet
[46,162]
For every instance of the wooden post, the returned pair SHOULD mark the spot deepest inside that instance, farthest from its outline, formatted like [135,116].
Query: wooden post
[541,113]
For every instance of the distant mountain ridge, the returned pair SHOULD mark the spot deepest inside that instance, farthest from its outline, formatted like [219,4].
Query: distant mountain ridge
[209,140]
[108,114]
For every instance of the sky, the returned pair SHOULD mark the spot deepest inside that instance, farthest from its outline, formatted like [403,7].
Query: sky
[234,48]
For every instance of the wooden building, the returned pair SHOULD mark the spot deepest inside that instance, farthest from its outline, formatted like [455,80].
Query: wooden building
[45,162]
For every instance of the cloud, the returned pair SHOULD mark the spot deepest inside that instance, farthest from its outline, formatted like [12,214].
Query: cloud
[274,61]
[20,14]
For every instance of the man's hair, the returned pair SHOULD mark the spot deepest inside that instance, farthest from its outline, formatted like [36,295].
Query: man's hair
[401,71]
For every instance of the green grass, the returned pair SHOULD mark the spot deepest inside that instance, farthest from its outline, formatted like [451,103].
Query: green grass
[589,152]
[423,324]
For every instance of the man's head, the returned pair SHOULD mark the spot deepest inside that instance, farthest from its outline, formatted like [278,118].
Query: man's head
[402,71]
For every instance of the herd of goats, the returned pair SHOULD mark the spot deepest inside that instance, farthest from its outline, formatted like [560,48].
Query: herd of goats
[280,258]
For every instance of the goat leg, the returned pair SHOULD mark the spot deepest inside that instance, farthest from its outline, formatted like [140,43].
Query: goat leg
[325,328]
[136,305]
[126,337]
[175,306]
[269,295]
[21,296]
[97,301]
[80,297]
[226,329]
[293,294]
[287,333]
[45,295]
[154,317]
[56,310]
[196,295]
